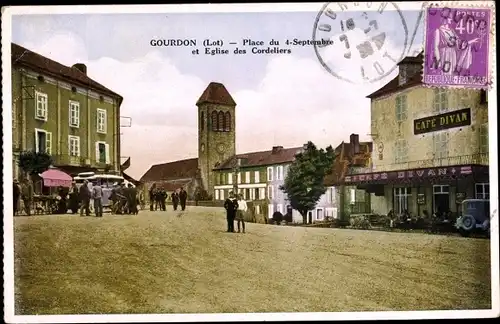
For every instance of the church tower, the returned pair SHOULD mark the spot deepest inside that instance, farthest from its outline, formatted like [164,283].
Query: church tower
[216,131]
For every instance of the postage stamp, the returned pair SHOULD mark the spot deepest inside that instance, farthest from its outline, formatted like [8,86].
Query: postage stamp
[198,163]
[458,43]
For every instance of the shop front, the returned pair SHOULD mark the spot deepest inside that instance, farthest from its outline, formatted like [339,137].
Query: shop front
[423,191]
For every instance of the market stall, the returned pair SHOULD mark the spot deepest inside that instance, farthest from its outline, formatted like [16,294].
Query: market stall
[56,202]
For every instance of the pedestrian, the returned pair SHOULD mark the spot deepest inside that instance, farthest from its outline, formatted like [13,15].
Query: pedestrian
[231,206]
[277,217]
[240,214]
[73,198]
[16,193]
[175,200]
[62,205]
[27,196]
[152,196]
[162,197]
[85,195]
[183,198]
[133,199]
[97,196]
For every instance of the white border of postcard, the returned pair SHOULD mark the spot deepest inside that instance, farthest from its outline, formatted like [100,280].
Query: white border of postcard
[10,317]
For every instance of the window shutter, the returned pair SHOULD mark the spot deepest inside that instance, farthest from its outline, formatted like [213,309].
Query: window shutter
[107,154]
[48,143]
[270,211]
[97,151]
[37,145]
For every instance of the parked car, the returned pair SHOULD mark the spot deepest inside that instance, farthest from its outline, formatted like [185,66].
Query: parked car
[475,217]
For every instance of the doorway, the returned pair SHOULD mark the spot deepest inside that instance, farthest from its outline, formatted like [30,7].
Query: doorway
[309,217]
[441,194]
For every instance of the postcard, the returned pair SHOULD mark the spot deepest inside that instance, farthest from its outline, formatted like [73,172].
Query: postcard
[250,162]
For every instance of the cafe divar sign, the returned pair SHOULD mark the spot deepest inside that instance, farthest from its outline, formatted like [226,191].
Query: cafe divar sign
[457,118]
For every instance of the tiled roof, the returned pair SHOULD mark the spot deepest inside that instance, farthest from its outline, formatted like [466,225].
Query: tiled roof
[344,159]
[393,85]
[282,155]
[183,169]
[216,93]
[170,185]
[23,56]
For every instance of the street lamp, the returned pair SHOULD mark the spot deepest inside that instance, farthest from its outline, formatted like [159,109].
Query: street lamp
[236,170]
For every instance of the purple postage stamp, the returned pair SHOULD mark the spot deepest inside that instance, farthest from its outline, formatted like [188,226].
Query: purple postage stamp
[457,47]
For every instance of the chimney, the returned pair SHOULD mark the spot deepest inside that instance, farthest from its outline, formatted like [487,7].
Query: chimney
[81,67]
[354,141]
[276,149]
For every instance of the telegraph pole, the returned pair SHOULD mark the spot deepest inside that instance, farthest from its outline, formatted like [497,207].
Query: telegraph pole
[236,170]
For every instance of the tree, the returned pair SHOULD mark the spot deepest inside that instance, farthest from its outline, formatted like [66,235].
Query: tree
[304,183]
[34,162]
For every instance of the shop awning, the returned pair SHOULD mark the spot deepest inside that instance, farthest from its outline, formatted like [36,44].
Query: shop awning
[417,175]
[56,178]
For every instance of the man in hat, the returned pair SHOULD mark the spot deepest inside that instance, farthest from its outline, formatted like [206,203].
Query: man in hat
[73,198]
[183,198]
[97,196]
[85,195]
[231,206]
[27,195]
[16,193]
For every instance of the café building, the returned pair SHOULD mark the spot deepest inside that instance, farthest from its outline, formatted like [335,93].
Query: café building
[430,146]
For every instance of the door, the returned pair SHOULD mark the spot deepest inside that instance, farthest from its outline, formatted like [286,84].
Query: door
[309,217]
[441,199]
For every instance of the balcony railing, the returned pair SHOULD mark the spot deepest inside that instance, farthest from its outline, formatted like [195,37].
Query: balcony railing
[479,159]
[78,161]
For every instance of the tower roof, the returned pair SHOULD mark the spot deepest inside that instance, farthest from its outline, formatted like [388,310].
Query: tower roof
[216,93]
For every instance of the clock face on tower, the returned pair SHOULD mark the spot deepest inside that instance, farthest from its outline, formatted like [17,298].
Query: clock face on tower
[203,147]
[221,147]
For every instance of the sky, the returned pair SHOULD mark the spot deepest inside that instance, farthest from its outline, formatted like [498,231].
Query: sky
[282,99]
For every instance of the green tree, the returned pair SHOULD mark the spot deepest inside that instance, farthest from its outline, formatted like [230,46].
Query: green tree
[34,162]
[304,183]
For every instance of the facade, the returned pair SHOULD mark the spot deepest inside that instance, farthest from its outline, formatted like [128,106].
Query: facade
[60,110]
[350,157]
[431,146]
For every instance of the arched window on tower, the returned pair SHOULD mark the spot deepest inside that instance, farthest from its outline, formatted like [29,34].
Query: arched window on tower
[202,120]
[227,124]
[221,122]
[214,121]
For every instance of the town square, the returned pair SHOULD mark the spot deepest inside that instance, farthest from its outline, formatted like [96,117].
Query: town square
[157,180]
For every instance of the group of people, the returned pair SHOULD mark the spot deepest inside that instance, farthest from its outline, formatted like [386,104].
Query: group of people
[158,197]
[236,207]
[23,192]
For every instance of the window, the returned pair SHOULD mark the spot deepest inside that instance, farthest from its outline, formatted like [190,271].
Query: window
[440,100]
[43,141]
[222,194]
[216,194]
[227,124]
[101,121]
[229,178]
[441,145]
[401,108]
[402,197]
[102,152]
[248,193]
[74,113]
[257,209]
[247,177]
[41,106]
[483,138]
[441,189]
[214,121]
[202,120]
[270,211]
[270,174]
[352,195]
[239,177]
[256,194]
[401,151]
[220,121]
[257,176]
[74,145]
[270,192]
[482,191]
[279,172]
[262,193]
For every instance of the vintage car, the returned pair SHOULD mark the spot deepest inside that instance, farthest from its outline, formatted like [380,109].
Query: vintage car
[475,217]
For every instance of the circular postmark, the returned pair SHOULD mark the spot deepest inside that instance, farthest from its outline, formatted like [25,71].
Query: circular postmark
[357,43]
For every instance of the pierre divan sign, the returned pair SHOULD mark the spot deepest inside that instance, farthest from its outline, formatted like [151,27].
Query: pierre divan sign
[452,119]
[409,174]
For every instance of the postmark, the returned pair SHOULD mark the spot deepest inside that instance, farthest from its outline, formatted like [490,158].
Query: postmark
[364,49]
[457,44]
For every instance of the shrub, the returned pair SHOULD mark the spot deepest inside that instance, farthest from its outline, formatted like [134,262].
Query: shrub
[360,222]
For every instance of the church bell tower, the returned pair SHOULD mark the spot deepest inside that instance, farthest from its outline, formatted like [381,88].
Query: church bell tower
[216,131]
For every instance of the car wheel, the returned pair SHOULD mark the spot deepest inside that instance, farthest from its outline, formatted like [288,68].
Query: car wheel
[468,222]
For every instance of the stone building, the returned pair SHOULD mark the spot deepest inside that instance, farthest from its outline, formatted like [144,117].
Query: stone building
[62,111]
[430,146]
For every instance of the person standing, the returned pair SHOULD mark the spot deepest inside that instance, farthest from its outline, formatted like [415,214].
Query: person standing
[97,196]
[231,206]
[183,198]
[162,197]
[152,196]
[175,199]
[27,196]
[240,214]
[85,198]
[73,198]
[133,199]
[16,193]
